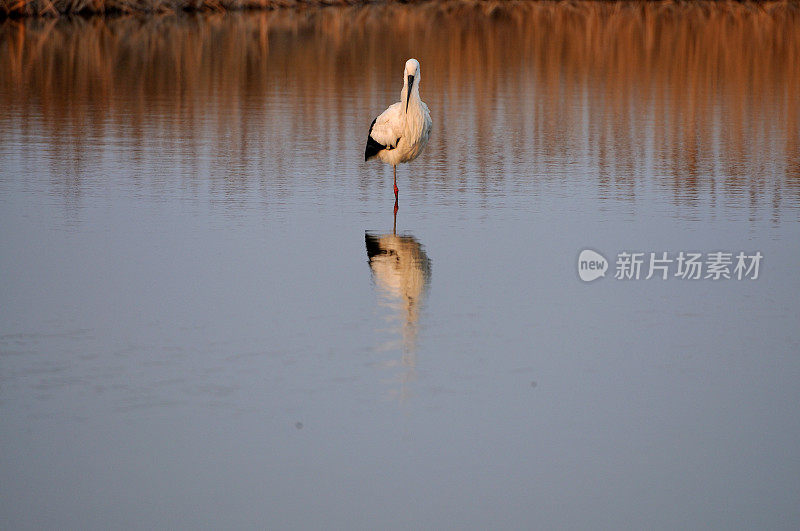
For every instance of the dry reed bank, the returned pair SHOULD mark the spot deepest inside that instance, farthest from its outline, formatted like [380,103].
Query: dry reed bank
[41,8]
[26,8]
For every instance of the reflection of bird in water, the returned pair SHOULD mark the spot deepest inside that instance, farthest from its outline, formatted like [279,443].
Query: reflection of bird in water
[400,132]
[401,271]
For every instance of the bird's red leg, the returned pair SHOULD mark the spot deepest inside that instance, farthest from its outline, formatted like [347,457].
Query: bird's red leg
[395,182]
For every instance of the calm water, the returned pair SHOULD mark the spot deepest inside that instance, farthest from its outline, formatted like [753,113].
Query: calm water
[210,316]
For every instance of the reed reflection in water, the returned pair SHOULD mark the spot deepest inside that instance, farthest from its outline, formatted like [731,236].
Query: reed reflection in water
[697,98]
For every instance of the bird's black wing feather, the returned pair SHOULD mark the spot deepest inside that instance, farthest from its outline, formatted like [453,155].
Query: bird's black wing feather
[373,146]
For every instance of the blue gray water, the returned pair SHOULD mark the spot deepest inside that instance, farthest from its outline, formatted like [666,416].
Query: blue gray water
[194,335]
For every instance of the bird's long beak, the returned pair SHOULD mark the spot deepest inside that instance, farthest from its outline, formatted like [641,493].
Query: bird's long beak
[408,94]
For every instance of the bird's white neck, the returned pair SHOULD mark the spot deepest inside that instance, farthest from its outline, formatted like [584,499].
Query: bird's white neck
[413,102]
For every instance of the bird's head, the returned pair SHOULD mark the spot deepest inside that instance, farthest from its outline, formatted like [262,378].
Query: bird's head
[411,74]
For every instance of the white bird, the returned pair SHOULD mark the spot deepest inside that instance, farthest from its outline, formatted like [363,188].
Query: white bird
[401,131]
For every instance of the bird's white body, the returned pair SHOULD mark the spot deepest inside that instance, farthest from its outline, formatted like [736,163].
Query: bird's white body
[400,132]
[405,133]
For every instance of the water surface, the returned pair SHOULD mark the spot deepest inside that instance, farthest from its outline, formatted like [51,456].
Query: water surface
[212,316]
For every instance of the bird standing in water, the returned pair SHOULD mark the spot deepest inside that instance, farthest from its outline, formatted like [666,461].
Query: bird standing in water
[401,131]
